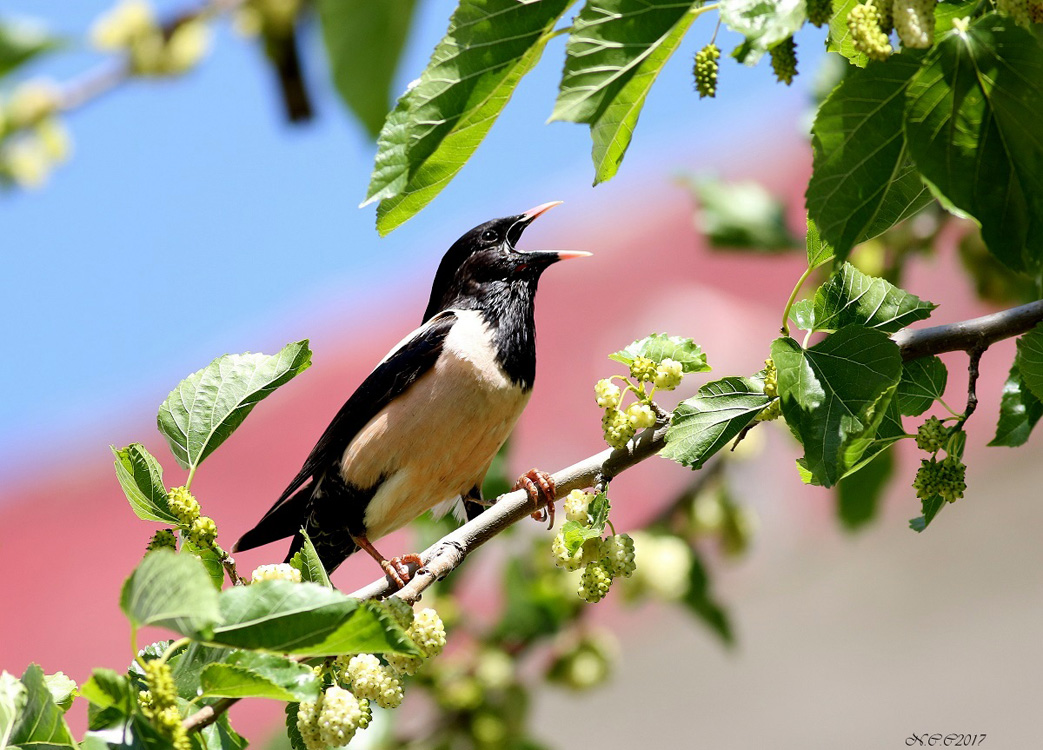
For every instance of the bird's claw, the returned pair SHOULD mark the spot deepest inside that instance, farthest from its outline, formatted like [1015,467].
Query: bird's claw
[398,570]
[538,483]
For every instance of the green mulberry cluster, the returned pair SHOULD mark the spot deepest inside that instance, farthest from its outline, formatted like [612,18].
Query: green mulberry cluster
[932,435]
[1016,9]
[945,478]
[162,539]
[183,505]
[771,389]
[619,426]
[159,704]
[643,369]
[705,70]
[601,559]
[914,22]
[784,60]
[866,25]
[131,28]
[819,12]
[371,680]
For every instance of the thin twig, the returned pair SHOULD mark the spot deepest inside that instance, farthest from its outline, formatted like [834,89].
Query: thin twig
[445,555]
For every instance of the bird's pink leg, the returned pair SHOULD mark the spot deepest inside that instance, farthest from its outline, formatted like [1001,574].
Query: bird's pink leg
[397,568]
[538,483]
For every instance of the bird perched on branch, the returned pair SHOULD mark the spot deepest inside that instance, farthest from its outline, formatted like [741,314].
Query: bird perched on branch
[423,428]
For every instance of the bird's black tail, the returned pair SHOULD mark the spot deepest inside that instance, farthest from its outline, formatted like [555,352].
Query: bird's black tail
[284,520]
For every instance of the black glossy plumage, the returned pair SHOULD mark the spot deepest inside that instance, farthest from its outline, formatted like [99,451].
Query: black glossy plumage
[482,272]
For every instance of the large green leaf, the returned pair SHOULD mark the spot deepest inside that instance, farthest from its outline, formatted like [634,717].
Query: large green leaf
[20,43]
[208,405]
[364,40]
[660,346]
[859,493]
[171,591]
[704,424]
[923,383]
[862,181]
[305,619]
[1030,360]
[818,250]
[40,724]
[439,122]
[1019,411]
[613,56]
[247,674]
[141,478]
[973,126]
[849,297]
[835,394]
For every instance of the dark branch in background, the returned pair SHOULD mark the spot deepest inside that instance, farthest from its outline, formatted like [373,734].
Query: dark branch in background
[283,54]
[445,555]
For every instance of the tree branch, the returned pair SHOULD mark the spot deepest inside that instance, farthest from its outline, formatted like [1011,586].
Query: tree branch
[968,335]
[445,555]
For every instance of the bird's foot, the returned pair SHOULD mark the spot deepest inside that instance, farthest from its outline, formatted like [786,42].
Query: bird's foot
[398,570]
[539,483]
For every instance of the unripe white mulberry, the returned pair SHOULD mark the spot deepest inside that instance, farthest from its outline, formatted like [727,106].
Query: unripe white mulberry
[641,416]
[914,22]
[280,572]
[617,428]
[595,583]
[618,551]
[576,505]
[372,680]
[668,374]
[642,369]
[607,394]
[340,716]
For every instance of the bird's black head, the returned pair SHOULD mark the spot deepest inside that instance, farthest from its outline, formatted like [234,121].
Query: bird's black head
[485,263]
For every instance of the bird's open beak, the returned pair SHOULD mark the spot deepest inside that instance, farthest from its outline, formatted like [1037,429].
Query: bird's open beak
[543,208]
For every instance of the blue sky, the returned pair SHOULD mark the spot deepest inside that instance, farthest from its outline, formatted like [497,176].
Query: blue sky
[193,221]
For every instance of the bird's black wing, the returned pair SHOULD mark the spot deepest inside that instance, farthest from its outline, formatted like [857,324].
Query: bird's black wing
[391,378]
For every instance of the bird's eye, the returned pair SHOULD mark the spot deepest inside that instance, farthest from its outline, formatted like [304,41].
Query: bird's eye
[489,236]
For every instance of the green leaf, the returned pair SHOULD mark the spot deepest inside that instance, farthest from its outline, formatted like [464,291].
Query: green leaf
[818,250]
[221,736]
[740,215]
[705,423]
[574,534]
[599,509]
[660,346]
[40,722]
[364,41]
[972,123]
[1019,411]
[210,559]
[839,39]
[763,24]
[438,123]
[862,181]
[63,689]
[1030,360]
[188,665]
[13,698]
[835,394]
[850,297]
[293,734]
[305,619]
[886,431]
[803,314]
[307,561]
[246,674]
[208,405]
[22,42]
[613,56]
[107,689]
[700,600]
[171,591]
[931,506]
[923,383]
[859,493]
[141,478]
